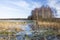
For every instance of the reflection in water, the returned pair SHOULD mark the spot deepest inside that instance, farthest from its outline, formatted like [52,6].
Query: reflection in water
[26,31]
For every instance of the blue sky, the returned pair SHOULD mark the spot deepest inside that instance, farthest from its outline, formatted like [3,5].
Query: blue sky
[23,8]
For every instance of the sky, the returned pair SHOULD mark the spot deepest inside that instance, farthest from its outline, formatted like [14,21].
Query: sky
[23,8]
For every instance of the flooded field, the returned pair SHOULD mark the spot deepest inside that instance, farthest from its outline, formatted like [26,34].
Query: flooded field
[24,30]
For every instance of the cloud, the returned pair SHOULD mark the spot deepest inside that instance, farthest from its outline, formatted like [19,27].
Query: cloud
[55,4]
[16,8]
